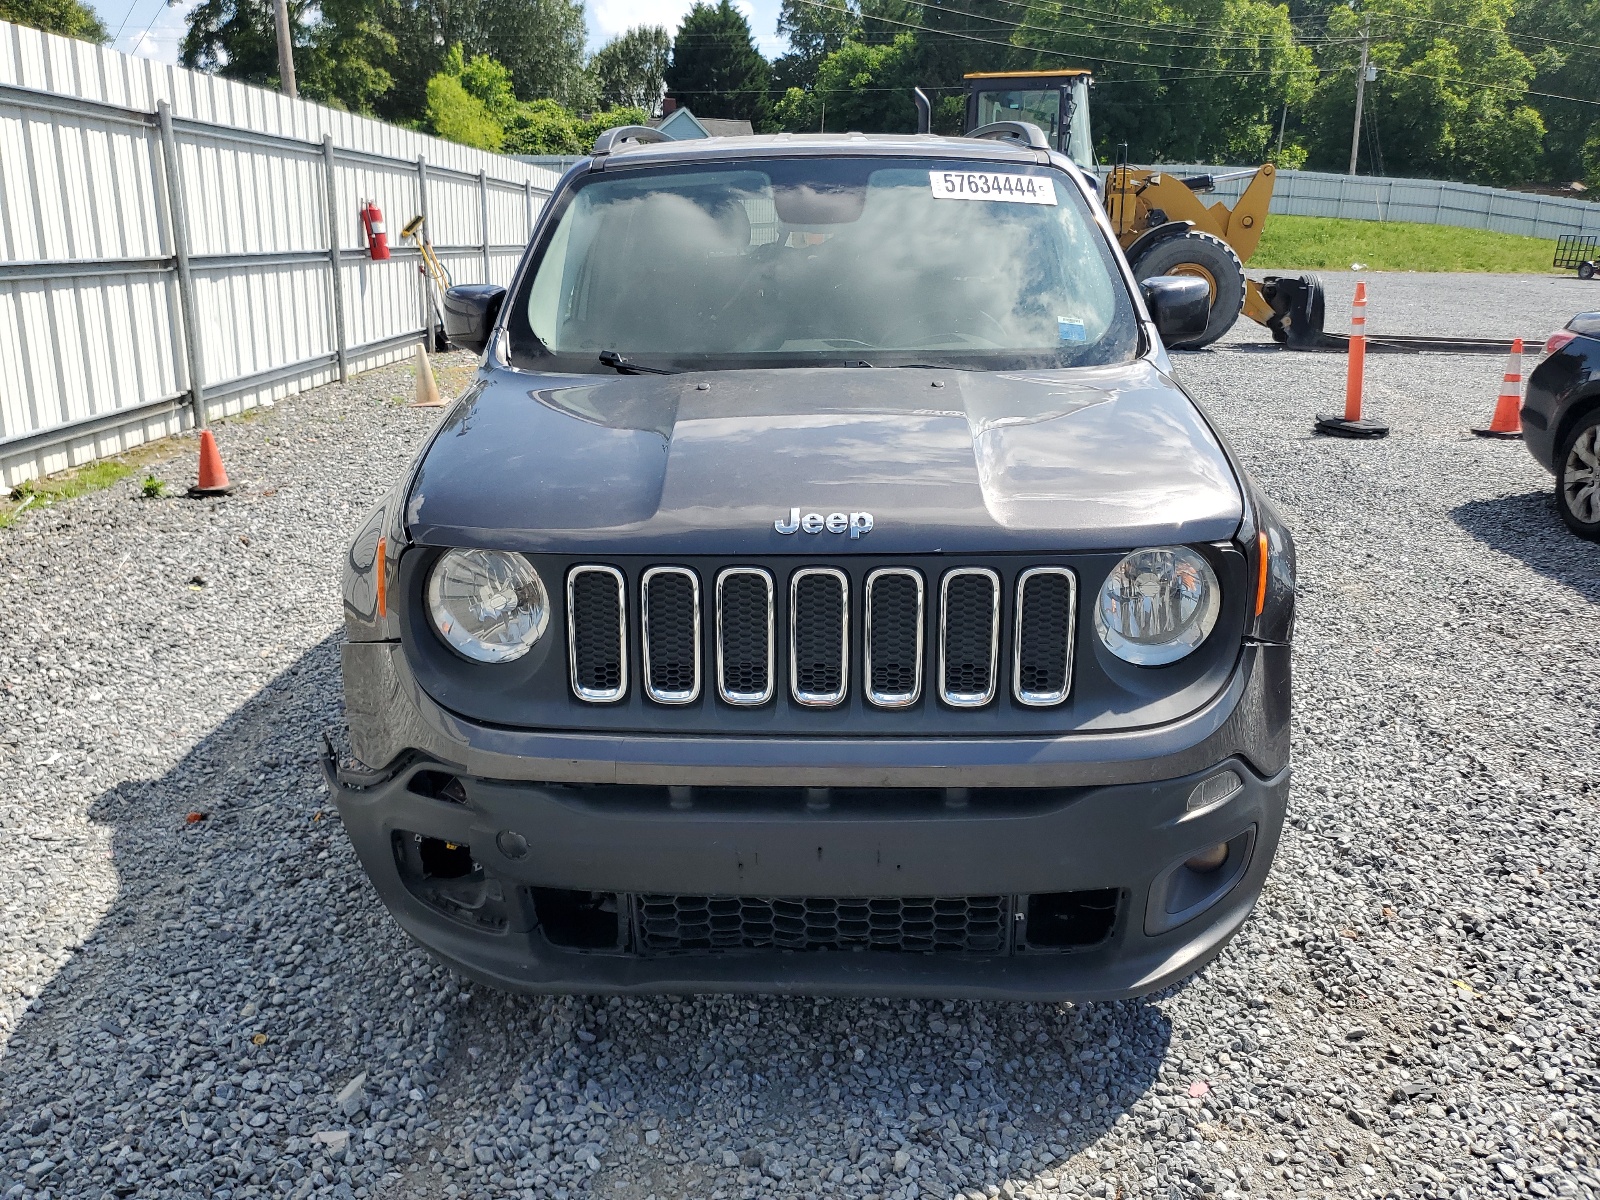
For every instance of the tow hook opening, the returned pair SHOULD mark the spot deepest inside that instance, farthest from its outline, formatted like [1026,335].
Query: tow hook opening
[438,785]
[577,920]
[1069,920]
[444,875]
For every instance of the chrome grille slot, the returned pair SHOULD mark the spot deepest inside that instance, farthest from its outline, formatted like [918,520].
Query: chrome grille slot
[670,617]
[894,637]
[819,636]
[597,633]
[969,636]
[744,636]
[1047,608]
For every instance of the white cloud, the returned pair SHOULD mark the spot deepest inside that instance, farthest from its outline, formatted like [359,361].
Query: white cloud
[161,38]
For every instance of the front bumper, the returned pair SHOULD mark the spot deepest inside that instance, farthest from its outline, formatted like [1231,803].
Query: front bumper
[633,841]
[626,817]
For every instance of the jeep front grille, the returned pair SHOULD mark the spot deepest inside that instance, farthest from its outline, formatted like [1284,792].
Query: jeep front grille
[670,619]
[1047,608]
[597,633]
[740,635]
[819,636]
[894,637]
[969,636]
[744,635]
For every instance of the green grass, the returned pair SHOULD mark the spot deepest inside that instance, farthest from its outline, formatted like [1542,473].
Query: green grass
[1331,243]
[36,494]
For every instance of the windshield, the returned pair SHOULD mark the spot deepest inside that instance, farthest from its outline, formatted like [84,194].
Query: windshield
[881,262]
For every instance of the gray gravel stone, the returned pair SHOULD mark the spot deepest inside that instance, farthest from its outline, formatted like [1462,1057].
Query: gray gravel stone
[1411,1012]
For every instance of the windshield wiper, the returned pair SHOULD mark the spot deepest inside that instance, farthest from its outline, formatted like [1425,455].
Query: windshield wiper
[622,366]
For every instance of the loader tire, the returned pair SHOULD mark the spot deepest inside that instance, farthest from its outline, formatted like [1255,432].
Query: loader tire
[1204,256]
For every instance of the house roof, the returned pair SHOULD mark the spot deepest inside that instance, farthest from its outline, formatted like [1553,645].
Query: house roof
[681,124]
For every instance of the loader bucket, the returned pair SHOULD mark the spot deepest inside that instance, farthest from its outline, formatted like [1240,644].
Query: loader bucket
[1298,309]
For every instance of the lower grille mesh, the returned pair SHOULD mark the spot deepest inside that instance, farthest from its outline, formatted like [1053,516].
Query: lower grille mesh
[667,924]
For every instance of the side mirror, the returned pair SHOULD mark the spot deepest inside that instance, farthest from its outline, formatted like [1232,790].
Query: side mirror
[470,312]
[1180,305]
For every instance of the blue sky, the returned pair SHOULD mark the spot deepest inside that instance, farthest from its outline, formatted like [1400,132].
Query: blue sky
[153,29]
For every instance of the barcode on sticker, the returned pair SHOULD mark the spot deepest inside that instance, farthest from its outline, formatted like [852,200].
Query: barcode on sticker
[991,185]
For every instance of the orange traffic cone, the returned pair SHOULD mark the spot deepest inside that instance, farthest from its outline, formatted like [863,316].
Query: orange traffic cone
[1351,425]
[213,476]
[1507,419]
[427,395]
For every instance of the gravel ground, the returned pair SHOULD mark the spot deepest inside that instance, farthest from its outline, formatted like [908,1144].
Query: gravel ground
[219,1006]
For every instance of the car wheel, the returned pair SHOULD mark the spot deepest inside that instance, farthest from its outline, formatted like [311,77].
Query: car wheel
[1578,478]
[1206,257]
[1586,270]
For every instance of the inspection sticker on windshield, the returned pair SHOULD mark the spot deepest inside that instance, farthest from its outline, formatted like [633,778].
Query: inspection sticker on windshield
[991,185]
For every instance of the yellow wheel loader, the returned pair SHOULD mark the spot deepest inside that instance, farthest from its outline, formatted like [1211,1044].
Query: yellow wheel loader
[1164,226]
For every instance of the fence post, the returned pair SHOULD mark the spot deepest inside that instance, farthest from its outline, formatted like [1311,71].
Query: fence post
[483,206]
[331,185]
[527,208]
[180,254]
[424,232]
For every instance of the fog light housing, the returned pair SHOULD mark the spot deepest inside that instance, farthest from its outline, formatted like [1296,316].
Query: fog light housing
[1208,860]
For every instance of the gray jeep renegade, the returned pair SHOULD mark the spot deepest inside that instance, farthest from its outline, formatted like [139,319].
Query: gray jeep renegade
[823,587]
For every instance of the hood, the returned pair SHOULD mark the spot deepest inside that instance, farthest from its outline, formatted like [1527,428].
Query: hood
[952,461]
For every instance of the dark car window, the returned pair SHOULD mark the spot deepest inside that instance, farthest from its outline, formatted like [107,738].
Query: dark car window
[808,261]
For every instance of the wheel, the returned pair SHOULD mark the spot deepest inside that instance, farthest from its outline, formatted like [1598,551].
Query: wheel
[1586,270]
[1207,257]
[1578,478]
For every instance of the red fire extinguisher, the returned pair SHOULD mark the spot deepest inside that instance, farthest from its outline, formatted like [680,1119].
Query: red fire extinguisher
[377,237]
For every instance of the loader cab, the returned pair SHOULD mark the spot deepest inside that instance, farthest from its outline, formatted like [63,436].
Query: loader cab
[1056,101]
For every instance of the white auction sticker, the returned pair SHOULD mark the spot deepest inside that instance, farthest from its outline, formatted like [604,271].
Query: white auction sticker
[991,185]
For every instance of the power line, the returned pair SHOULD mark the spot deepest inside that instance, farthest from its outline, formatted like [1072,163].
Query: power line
[1121,62]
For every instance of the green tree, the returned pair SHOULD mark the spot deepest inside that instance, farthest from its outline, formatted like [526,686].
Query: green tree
[544,127]
[1448,102]
[343,65]
[1188,81]
[1560,37]
[237,38]
[813,33]
[858,87]
[67,17]
[539,41]
[631,69]
[469,102]
[716,69]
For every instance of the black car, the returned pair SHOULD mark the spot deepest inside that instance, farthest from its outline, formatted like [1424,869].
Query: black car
[823,587]
[1561,421]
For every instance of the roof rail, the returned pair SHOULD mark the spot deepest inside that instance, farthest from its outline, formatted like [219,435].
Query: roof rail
[612,138]
[1026,132]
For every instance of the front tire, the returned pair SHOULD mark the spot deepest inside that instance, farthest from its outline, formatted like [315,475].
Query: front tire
[1578,478]
[1203,256]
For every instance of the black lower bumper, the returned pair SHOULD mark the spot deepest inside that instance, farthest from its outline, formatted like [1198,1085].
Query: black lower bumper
[436,843]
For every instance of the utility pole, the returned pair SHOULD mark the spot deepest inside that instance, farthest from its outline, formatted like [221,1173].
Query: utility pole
[286,51]
[1361,91]
[1282,121]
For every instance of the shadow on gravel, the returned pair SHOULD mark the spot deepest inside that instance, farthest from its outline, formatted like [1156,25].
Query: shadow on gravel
[1528,528]
[245,974]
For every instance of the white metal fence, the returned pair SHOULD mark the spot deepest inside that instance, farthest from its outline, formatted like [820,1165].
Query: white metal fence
[1426,201]
[175,247]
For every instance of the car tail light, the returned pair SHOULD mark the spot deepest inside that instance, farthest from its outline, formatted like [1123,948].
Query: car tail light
[1558,339]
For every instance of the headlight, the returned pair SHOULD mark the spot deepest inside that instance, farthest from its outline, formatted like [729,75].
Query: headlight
[1157,605]
[487,605]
